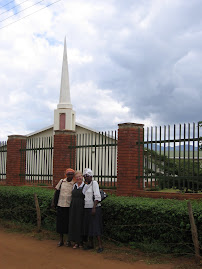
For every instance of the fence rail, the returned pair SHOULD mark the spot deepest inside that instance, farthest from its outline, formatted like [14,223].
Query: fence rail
[38,157]
[97,151]
[172,157]
[3,159]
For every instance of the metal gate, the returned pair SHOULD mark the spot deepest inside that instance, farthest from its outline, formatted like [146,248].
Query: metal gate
[97,151]
[172,157]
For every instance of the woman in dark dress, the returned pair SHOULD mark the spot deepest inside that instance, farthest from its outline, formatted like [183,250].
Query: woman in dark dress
[77,211]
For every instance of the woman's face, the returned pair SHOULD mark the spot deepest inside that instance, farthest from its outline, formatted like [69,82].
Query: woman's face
[88,179]
[79,178]
[69,176]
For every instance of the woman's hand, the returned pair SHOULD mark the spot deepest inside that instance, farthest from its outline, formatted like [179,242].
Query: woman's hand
[93,211]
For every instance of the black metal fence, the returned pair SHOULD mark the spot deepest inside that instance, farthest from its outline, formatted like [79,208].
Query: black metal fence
[172,157]
[97,151]
[39,160]
[3,158]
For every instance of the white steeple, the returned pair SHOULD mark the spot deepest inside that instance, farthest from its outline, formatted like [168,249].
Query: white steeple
[65,100]
[64,116]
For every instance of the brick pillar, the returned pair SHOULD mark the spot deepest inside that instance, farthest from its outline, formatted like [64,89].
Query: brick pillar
[16,160]
[63,156]
[130,158]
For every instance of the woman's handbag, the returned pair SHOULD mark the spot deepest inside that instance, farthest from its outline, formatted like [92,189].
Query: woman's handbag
[56,197]
[102,194]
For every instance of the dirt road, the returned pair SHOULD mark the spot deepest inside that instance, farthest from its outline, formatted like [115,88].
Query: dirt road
[21,251]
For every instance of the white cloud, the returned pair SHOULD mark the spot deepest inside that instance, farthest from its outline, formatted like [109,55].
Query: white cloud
[129,61]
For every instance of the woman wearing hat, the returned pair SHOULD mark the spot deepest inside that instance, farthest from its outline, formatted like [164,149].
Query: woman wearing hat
[92,210]
[62,223]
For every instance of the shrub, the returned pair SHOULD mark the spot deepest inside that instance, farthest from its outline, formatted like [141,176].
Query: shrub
[138,221]
[17,203]
[161,221]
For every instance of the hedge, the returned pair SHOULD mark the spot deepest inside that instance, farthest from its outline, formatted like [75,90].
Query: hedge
[131,220]
[162,221]
[17,203]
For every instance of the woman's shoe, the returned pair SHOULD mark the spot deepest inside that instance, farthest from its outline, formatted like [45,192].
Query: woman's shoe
[60,244]
[100,250]
[68,244]
[75,246]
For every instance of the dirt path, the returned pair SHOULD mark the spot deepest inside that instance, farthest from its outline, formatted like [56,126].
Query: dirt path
[21,251]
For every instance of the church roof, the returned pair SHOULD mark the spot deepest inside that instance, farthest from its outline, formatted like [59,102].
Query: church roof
[51,127]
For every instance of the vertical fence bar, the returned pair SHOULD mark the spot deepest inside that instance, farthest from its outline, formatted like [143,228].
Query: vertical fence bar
[99,157]
[82,152]
[35,160]
[88,138]
[52,145]
[95,154]
[138,157]
[188,183]
[160,170]
[184,155]
[92,150]
[198,145]
[42,159]
[193,172]
[115,156]
[79,153]
[48,160]
[155,153]
[30,153]
[168,156]
[164,157]
[109,140]
[179,172]
[1,158]
[38,157]
[105,152]
[86,150]
[147,162]
[21,162]
[73,149]
[151,155]
[102,151]
[112,155]
[27,177]
[143,161]
[174,164]
[32,159]
[47,156]
[71,144]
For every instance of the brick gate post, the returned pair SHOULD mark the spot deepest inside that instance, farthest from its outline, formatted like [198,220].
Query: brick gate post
[16,160]
[130,158]
[63,156]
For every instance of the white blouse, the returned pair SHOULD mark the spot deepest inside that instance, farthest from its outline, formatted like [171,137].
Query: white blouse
[89,190]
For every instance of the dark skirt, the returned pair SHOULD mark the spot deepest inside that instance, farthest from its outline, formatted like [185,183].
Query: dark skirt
[93,224]
[62,222]
[76,216]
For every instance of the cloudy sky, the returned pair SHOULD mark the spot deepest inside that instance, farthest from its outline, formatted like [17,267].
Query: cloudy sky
[129,61]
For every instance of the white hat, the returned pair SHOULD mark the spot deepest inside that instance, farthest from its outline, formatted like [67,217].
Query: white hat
[88,171]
